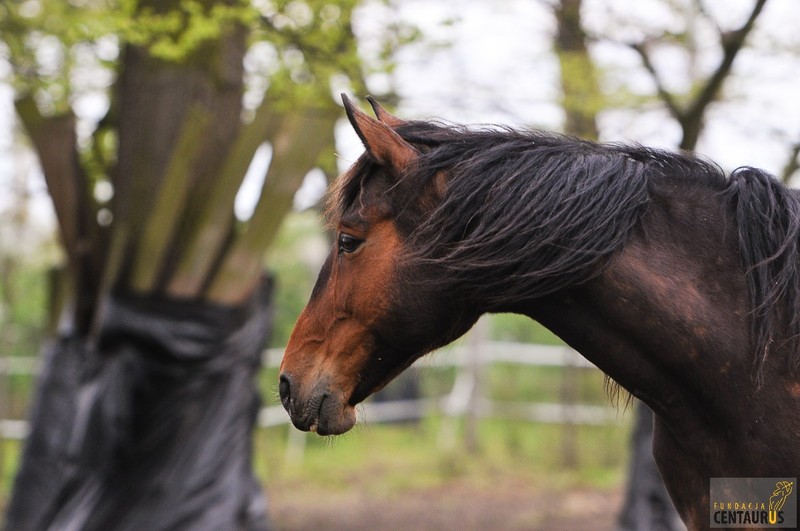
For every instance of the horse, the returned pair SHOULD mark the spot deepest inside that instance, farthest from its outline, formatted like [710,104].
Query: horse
[679,281]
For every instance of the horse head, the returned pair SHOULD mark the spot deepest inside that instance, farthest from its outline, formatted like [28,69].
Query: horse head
[376,307]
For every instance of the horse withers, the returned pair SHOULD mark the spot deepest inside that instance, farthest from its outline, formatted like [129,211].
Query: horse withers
[680,282]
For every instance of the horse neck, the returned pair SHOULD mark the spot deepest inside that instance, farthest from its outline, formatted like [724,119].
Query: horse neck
[667,319]
[668,312]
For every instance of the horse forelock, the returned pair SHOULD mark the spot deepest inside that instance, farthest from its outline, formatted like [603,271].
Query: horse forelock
[346,190]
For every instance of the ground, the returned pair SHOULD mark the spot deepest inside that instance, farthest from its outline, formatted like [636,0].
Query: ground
[458,505]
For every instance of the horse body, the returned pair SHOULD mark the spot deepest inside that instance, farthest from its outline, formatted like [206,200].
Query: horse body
[653,321]
[638,259]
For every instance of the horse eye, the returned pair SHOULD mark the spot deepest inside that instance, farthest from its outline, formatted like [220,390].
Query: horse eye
[348,244]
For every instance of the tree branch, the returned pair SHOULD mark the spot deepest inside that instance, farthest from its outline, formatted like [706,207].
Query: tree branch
[168,204]
[215,219]
[55,141]
[666,96]
[690,117]
[792,163]
[732,43]
[296,148]
[580,93]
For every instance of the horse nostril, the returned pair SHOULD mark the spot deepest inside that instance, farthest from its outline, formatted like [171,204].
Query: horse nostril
[285,390]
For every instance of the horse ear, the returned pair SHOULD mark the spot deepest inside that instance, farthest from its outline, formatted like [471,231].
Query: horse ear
[383,144]
[383,115]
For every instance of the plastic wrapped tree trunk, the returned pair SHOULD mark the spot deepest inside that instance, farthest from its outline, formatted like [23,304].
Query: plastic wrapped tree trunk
[150,428]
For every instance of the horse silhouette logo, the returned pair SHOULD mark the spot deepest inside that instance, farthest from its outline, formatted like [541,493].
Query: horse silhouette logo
[778,499]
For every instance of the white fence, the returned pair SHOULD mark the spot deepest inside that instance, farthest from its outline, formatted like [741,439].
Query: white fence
[465,395]
[464,398]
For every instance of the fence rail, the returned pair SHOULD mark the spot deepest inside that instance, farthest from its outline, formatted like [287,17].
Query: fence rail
[464,397]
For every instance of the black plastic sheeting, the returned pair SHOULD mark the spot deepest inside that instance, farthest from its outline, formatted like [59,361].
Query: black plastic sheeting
[151,428]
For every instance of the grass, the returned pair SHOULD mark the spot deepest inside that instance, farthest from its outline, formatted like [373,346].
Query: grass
[388,459]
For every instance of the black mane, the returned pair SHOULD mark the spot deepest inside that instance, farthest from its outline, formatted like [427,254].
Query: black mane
[531,213]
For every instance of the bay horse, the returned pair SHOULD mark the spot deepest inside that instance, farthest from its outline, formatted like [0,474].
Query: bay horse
[680,282]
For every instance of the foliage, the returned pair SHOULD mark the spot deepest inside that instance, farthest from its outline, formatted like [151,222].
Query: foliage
[296,257]
[22,314]
[62,51]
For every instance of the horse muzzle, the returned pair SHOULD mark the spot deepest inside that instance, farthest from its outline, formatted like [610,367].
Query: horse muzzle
[322,409]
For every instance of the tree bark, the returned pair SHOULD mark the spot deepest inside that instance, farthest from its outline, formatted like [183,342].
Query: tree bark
[792,163]
[160,102]
[55,141]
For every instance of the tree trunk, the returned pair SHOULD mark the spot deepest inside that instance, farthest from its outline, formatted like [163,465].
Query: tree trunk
[581,97]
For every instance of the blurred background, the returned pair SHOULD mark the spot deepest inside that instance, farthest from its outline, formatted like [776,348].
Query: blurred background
[174,151]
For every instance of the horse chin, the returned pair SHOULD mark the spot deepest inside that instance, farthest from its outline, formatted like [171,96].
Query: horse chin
[371,385]
[362,391]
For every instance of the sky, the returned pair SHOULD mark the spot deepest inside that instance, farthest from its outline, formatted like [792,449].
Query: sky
[484,62]
[500,69]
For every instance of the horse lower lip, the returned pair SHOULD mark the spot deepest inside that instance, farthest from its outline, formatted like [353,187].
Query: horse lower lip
[315,424]
[316,413]
[306,416]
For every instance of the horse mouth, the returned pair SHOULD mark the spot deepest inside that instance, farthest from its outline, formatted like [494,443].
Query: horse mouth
[324,410]
[333,418]
[316,413]
[325,417]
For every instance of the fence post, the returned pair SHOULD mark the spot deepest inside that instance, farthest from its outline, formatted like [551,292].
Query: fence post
[4,410]
[295,446]
[477,342]
[464,397]
[569,398]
